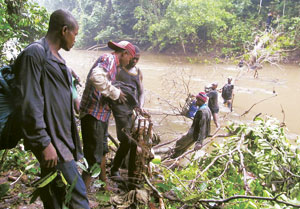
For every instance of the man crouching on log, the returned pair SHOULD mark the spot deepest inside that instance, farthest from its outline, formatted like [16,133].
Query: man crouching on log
[199,130]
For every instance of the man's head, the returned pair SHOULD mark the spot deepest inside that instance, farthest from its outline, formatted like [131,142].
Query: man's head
[125,51]
[214,85]
[229,79]
[63,26]
[201,98]
[135,59]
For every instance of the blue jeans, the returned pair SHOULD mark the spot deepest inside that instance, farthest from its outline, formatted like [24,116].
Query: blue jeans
[53,198]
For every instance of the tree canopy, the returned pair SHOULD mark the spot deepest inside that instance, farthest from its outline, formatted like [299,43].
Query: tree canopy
[21,22]
[196,26]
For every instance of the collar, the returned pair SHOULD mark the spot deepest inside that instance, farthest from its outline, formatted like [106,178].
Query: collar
[49,53]
[117,59]
[202,106]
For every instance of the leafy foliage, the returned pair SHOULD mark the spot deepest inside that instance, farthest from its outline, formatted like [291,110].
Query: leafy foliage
[201,26]
[21,22]
[257,160]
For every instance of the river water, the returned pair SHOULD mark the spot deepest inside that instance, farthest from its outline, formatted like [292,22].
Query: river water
[168,79]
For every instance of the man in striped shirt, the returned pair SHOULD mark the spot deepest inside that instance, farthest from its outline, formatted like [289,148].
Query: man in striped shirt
[94,108]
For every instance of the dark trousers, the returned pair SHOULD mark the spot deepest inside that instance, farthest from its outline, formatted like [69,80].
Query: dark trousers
[93,137]
[53,196]
[124,122]
[183,144]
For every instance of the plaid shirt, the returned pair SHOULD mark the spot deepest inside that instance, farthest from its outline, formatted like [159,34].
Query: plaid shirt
[92,100]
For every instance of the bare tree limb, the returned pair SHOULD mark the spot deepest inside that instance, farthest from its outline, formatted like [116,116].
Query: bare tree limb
[177,179]
[248,197]
[246,186]
[247,111]
[290,172]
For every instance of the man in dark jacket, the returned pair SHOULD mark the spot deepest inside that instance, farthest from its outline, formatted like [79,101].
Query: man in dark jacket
[199,130]
[130,76]
[227,93]
[44,99]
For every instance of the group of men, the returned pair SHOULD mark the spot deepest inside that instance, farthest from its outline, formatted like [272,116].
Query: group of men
[44,100]
[201,114]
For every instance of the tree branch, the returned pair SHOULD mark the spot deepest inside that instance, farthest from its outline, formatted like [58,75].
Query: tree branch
[248,197]
[247,111]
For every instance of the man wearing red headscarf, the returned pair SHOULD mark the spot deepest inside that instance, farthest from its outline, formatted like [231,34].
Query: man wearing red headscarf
[199,130]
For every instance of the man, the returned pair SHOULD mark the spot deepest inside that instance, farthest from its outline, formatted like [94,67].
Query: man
[213,103]
[269,21]
[44,99]
[227,93]
[199,130]
[94,106]
[130,76]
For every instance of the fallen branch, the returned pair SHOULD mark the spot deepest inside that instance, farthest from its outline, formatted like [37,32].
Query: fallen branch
[216,158]
[193,150]
[247,111]
[161,202]
[113,140]
[151,186]
[294,175]
[163,144]
[17,179]
[247,197]
[282,111]
[246,186]
[177,179]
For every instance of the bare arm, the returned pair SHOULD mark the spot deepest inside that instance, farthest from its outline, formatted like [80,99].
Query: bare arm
[141,93]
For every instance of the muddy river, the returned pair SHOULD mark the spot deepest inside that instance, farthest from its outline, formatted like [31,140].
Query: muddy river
[168,79]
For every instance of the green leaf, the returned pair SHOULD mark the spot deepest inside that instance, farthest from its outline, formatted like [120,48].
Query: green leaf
[69,191]
[95,170]
[3,189]
[46,180]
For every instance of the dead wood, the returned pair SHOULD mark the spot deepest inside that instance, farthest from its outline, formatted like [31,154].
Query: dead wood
[247,111]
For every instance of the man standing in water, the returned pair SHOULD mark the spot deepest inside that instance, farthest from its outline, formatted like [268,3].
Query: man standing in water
[94,106]
[199,130]
[213,103]
[227,93]
[130,75]
[44,99]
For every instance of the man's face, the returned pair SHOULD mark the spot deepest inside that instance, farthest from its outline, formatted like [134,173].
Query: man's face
[214,86]
[125,58]
[133,61]
[199,102]
[68,37]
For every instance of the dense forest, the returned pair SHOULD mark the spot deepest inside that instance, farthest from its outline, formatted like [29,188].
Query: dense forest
[220,27]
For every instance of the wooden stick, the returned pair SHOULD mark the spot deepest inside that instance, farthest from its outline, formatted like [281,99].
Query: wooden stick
[161,202]
[247,111]
[113,140]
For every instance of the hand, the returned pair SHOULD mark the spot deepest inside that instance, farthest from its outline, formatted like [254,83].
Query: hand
[139,149]
[122,98]
[49,156]
[142,111]
[198,146]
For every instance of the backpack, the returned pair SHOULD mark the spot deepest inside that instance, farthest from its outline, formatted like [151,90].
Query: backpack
[10,131]
[227,91]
